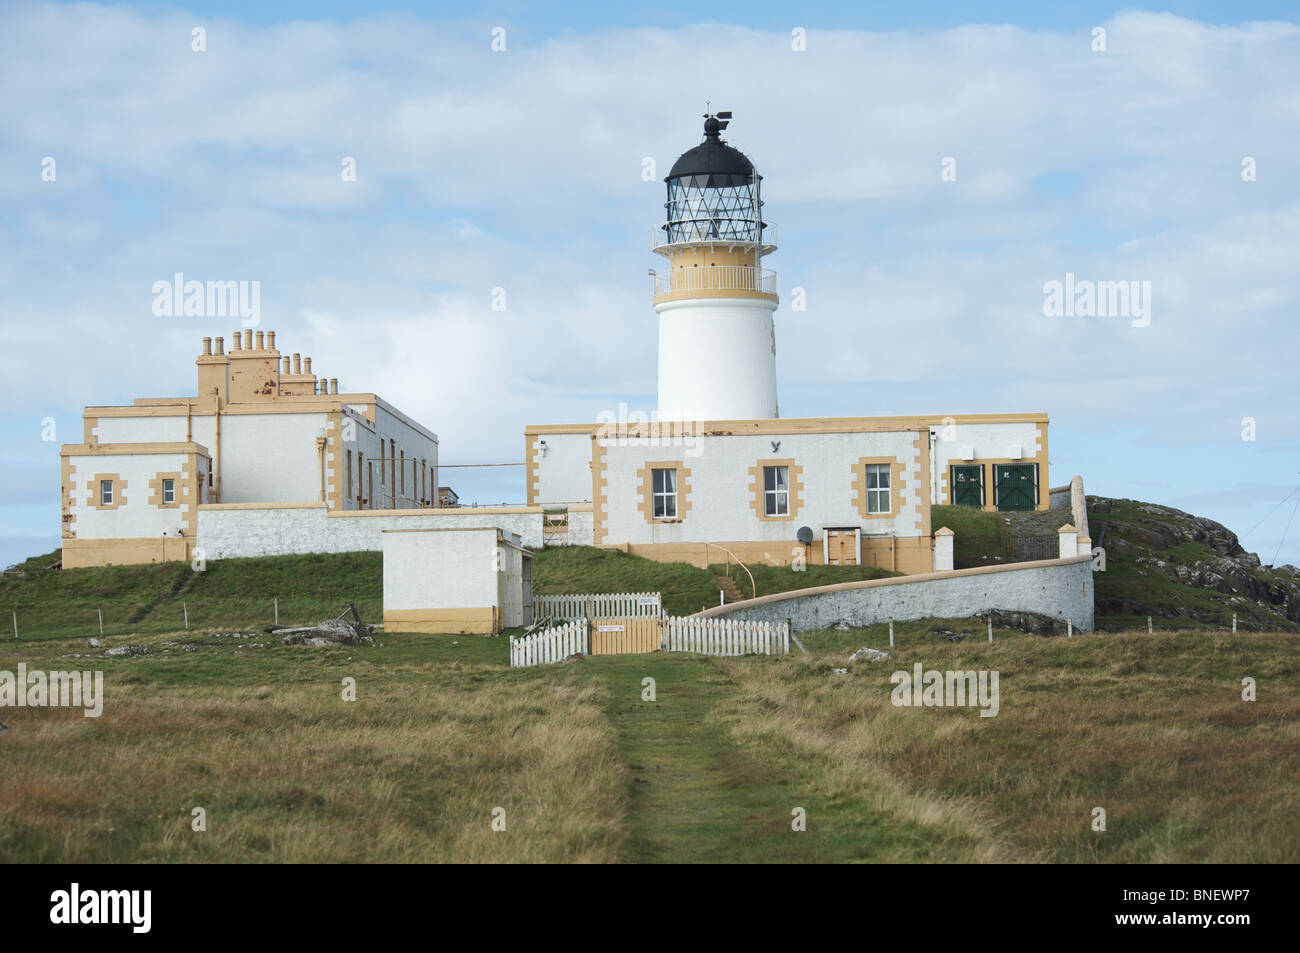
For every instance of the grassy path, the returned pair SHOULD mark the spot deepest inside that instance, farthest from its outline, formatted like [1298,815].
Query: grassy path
[700,794]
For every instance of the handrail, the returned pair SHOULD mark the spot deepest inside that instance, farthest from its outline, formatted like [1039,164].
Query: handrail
[753,589]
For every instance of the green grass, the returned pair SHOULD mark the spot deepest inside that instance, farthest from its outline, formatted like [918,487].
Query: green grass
[980,537]
[228,593]
[1152,728]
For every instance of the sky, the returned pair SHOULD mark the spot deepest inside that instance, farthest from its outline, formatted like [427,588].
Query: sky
[931,169]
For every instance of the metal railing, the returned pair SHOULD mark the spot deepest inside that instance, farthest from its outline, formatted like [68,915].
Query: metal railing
[716,278]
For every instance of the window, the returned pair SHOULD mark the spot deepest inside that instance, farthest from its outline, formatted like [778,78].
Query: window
[105,492]
[776,491]
[169,490]
[878,488]
[664,498]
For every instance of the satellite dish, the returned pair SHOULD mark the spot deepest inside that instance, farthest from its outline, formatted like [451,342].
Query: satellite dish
[805,535]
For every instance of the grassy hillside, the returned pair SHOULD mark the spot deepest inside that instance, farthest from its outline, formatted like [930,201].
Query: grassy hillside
[442,732]
[239,593]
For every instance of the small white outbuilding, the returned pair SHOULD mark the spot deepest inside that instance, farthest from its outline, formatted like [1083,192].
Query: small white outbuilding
[467,580]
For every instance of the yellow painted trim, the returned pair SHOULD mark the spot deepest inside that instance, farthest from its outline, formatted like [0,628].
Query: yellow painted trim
[156,490]
[467,621]
[68,482]
[792,425]
[125,449]
[125,551]
[599,492]
[859,484]
[95,497]
[682,483]
[757,496]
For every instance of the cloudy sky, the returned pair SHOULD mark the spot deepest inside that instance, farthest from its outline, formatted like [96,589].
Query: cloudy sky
[481,168]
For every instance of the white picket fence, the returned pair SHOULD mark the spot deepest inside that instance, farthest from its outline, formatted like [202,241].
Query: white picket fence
[726,636]
[598,605]
[550,645]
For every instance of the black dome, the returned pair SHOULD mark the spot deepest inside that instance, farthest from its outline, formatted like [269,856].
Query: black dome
[713,157]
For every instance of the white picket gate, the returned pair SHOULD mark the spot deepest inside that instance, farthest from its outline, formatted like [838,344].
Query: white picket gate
[550,645]
[598,605]
[726,636]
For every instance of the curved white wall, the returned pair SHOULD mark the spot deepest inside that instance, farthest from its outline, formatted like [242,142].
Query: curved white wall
[717,359]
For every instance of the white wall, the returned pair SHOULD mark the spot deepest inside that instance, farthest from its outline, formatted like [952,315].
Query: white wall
[440,570]
[988,441]
[277,531]
[270,458]
[717,359]
[563,472]
[135,516]
[1060,589]
[719,487]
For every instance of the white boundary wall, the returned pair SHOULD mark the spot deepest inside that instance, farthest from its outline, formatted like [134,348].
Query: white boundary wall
[1059,588]
[228,532]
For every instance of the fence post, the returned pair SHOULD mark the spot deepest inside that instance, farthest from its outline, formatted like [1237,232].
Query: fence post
[1069,632]
[186,610]
[277,610]
[1234,623]
[101,621]
[1150,630]
[15,611]
[990,631]
[891,633]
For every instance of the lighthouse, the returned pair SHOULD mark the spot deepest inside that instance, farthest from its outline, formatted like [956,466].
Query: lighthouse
[717,339]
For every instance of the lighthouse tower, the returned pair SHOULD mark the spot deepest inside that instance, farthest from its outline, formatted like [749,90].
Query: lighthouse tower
[717,342]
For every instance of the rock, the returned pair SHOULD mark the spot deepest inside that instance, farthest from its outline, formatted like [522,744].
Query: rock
[869,655]
[95,643]
[841,626]
[1032,622]
[840,671]
[124,650]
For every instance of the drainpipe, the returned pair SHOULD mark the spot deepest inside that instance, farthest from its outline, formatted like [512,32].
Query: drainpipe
[320,456]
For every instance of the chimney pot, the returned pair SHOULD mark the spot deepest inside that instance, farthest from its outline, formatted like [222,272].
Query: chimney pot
[270,340]
[248,340]
[334,385]
[286,365]
[235,340]
[306,365]
[297,363]
[207,346]
[261,342]
[221,346]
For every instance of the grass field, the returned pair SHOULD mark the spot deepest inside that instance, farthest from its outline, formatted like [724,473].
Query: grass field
[442,732]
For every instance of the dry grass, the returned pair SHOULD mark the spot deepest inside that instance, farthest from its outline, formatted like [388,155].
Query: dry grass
[288,772]
[1152,729]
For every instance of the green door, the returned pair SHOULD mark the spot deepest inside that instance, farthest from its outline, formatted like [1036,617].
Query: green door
[1016,485]
[968,486]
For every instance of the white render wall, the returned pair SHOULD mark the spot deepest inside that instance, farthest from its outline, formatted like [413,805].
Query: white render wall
[134,517]
[717,359]
[441,570]
[581,528]
[1061,589]
[988,441]
[270,458]
[720,492]
[228,533]
[563,472]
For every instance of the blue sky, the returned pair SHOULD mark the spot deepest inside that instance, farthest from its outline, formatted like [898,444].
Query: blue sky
[522,170]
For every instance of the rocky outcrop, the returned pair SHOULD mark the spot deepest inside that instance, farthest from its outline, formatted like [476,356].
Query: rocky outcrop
[1164,562]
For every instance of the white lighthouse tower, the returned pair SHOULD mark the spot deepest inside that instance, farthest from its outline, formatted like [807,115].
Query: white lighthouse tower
[717,342]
